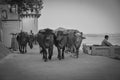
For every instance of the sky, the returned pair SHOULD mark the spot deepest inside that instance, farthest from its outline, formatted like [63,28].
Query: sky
[87,16]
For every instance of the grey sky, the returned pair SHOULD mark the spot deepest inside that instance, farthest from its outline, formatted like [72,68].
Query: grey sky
[88,16]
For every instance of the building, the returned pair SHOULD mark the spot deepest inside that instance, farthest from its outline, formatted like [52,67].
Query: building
[11,22]
[30,22]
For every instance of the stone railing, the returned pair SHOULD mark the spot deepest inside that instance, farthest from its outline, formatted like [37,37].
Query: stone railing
[113,51]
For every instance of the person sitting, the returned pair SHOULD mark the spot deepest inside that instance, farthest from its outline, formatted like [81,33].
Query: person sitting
[105,41]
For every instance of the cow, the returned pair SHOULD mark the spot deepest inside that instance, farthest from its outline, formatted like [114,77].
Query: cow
[60,43]
[74,41]
[22,39]
[45,39]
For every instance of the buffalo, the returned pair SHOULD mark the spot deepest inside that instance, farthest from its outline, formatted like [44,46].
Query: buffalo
[45,39]
[60,43]
[22,39]
[74,41]
[70,39]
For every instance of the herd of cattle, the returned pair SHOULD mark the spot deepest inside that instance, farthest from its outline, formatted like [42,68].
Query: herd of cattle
[47,38]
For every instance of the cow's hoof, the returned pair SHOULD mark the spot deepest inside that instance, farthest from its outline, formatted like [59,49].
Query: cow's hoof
[77,56]
[41,53]
[62,57]
[49,58]
[59,58]
[26,51]
[45,60]
[22,52]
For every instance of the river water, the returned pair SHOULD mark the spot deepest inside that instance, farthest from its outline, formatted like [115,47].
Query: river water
[115,40]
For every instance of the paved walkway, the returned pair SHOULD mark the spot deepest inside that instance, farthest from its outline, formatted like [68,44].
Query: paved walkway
[30,66]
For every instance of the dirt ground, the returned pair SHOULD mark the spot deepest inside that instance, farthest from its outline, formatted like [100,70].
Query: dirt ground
[4,51]
[30,66]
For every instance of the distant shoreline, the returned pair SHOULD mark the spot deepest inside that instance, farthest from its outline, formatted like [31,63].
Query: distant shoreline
[102,35]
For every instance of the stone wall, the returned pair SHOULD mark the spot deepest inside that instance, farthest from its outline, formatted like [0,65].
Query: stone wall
[8,28]
[9,24]
[4,51]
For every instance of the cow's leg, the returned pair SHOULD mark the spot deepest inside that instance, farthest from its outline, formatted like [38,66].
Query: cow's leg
[31,45]
[20,48]
[50,50]
[44,54]
[59,53]
[25,48]
[77,52]
[66,49]
[74,50]
[63,52]
[41,50]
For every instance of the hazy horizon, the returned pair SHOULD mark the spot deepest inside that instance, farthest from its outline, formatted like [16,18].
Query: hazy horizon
[88,16]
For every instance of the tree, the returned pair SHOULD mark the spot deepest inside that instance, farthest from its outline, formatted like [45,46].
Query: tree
[26,7]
